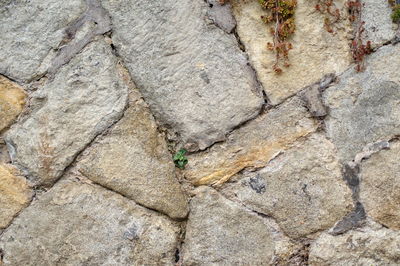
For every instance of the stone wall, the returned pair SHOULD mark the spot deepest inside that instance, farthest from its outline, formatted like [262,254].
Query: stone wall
[300,168]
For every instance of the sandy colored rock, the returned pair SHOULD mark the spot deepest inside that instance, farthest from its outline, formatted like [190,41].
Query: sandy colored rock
[370,245]
[12,101]
[315,52]
[220,231]
[31,31]
[133,160]
[67,113]
[253,145]
[380,186]
[379,28]
[192,74]
[15,194]
[77,223]
[302,189]
[365,107]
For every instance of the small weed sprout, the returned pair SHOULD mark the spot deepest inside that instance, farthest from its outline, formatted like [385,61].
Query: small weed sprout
[179,159]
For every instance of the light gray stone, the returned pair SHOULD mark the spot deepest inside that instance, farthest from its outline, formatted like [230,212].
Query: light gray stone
[221,232]
[192,74]
[67,113]
[133,160]
[365,107]
[302,189]
[370,245]
[380,186]
[31,31]
[379,28]
[76,223]
[221,15]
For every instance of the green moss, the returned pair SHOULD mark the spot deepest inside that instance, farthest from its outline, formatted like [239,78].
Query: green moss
[396,14]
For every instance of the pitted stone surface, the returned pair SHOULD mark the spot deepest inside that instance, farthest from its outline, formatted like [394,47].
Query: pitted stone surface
[315,52]
[85,98]
[192,74]
[133,160]
[380,186]
[76,223]
[253,145]
[15,194]
[220,231]
[12,101]
[303,183]
[31,31]
[365,107]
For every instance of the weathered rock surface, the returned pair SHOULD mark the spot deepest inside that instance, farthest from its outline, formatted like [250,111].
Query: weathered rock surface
[364,107]
[133,160]
[379,28]
[15,194]
[380,186]
[12,101]
[31,31]
[221,15]
[315,52]
[253,145]
[192,74]
[302,189]
[370,245]
[84,98]
[77,223]
[220,231]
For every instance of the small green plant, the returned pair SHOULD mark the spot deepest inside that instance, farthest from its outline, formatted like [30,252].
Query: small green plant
[179,159]
[396,13]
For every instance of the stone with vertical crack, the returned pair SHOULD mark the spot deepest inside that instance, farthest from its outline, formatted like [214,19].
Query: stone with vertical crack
[12,101]
[365,107]
[315,52]
[220,231]
[303,188]
[253,145]
[133,159]
[77,223]
[67,113]
[15,194]
[192,74]
[31,32]
[380,186]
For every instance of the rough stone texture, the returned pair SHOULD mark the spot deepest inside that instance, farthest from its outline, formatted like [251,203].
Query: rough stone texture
[380,186]
[77,223]
[31,31]
[221,15]
[379,28]
[315,51]
[15,194]
[133,160]
[220,232]
[12,101]
[364,107]
[85,98]
[192,74]
[371,245]
[252,145]
[304,183]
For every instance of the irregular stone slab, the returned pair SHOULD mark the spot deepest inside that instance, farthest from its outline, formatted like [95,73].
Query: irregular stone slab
[12,101]
[133,160]
[76,223]
[365,107]
[379,28]
[302,189]
[371,245]
[85,98]
[193,75]
[315,52]
[15,194]
[380,186]
[252,145]
[221,15]
[31,30]
[220,231]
